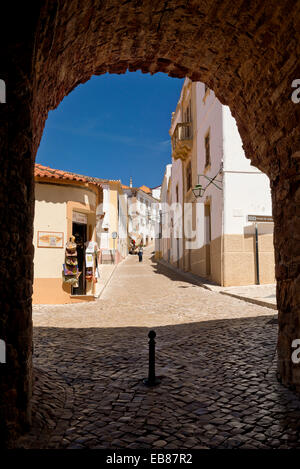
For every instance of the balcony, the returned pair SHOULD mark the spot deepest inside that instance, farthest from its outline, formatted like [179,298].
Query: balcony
[182,140]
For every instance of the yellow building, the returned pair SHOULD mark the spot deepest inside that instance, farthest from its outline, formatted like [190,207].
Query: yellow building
[92,210]
[112,233]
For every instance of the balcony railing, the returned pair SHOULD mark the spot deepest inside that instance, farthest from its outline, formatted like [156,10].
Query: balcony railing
[182,140]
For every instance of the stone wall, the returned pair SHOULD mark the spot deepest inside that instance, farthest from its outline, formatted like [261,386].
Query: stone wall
[16,216]
[247,52]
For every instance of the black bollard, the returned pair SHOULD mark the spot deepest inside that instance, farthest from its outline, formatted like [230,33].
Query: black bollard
[151,380]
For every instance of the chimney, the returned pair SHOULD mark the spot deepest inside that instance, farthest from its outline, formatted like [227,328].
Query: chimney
[130,184]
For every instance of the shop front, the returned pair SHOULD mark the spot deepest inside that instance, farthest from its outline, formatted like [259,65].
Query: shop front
[81,257]
[66,252]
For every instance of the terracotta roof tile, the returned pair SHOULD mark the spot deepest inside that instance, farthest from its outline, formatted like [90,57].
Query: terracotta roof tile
[44,171]
[146,189]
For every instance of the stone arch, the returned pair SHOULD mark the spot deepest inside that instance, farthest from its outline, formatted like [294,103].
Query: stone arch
[247,52]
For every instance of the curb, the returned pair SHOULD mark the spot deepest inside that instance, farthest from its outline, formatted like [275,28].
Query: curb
[98,296]
[196,280]
[109,279]
[251,300]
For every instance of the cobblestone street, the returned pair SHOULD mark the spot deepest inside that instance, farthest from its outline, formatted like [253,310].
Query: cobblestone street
[216,356]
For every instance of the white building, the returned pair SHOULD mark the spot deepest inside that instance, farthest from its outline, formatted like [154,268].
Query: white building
[163,236]
[143,214]
[212,237]
[156,191]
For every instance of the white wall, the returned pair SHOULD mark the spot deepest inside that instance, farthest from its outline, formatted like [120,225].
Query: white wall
[156,192]
[103,237]
[165,212]
[234,156]
[148,208]
[122,229]
[245,194]
[246,189]
[176,175]
[209,117]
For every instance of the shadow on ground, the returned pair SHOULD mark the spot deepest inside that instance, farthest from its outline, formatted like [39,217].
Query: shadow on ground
[175,275]
[218,388]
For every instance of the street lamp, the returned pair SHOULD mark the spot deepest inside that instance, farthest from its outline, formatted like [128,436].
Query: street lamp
[198,191]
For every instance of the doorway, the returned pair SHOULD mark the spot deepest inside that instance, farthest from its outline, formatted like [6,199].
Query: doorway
[79,230]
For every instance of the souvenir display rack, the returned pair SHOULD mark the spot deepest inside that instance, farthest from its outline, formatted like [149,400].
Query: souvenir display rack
[71,273]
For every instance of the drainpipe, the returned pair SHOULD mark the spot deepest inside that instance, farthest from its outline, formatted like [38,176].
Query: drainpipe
[256,254]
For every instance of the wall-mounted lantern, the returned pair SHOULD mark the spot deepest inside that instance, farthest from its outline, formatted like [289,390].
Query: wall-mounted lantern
[199,190]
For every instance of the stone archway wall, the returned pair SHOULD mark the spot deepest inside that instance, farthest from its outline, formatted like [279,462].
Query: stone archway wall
[247,52]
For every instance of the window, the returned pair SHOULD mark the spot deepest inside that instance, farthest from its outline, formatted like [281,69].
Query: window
[177,194]
[188,176]
[206,92]
[188,113]
[207,149]
[187,117]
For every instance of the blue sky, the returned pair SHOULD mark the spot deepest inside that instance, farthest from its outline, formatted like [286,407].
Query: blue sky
[113,126]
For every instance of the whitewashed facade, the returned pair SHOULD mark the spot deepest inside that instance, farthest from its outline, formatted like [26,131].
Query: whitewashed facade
[213,238]
[143,214]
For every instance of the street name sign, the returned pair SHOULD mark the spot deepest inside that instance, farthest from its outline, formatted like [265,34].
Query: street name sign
[260,218]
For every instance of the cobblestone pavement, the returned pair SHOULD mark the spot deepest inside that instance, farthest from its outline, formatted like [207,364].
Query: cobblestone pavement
[215,356]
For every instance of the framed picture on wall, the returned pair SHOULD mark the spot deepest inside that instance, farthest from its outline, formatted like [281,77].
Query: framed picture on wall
[50,239]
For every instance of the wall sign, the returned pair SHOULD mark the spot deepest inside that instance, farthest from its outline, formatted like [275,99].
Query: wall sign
[80,218]
[50,239]
[2,351]
[260,218]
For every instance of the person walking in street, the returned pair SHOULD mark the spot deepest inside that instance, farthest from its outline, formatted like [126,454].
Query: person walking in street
[140,253]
